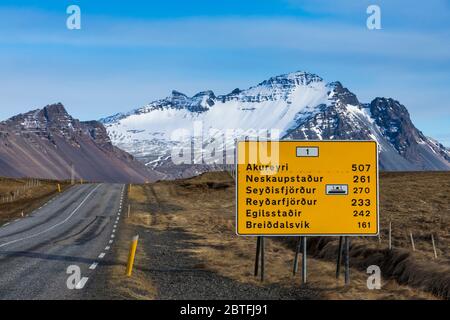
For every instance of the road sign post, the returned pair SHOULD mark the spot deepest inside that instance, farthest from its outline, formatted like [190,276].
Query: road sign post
[262,259]
[297,251]
[339,257]
[258,250]
[259,257]
[347,260]
[304,261]
[307,188]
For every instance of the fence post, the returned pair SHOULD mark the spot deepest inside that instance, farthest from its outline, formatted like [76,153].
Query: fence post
[434,246]
[412,241]
[390,235]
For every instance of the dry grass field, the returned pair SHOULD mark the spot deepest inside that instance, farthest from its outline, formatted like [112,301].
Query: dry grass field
[203,208]
[24,195]
[417,203]
[188,243]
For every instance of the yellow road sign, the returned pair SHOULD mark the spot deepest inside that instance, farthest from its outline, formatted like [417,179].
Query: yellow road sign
[307,188]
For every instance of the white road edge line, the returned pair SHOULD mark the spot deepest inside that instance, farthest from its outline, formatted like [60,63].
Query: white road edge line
[54,226]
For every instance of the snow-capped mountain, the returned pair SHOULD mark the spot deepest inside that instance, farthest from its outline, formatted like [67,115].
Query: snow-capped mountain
[298,105]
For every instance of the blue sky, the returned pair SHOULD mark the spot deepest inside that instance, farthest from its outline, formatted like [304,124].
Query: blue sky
[129,53]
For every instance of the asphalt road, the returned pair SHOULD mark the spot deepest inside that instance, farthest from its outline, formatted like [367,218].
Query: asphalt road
[77,228]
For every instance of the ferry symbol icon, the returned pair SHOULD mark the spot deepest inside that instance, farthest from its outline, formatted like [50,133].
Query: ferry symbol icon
[336,189]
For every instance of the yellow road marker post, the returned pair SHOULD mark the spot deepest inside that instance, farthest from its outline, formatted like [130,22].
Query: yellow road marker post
[132,255]
[59,188]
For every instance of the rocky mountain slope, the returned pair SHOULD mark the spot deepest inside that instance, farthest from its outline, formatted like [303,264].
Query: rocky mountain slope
[47,142]
[299,105]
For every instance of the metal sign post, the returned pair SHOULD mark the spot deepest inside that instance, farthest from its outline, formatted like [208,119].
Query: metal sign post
[339,257]
[347,261]
[258,249]
[301,247]
[298,249]
[304,261]
[259,257]
[302,189]
[262,259]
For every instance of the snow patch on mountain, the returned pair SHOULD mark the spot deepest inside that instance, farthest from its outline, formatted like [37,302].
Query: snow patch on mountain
[299,105]
[278,103]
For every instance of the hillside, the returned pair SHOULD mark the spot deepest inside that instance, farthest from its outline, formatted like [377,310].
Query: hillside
[48,142]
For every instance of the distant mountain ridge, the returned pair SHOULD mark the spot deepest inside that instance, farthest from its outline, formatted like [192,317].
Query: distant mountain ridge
[46,142]
[300,104]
